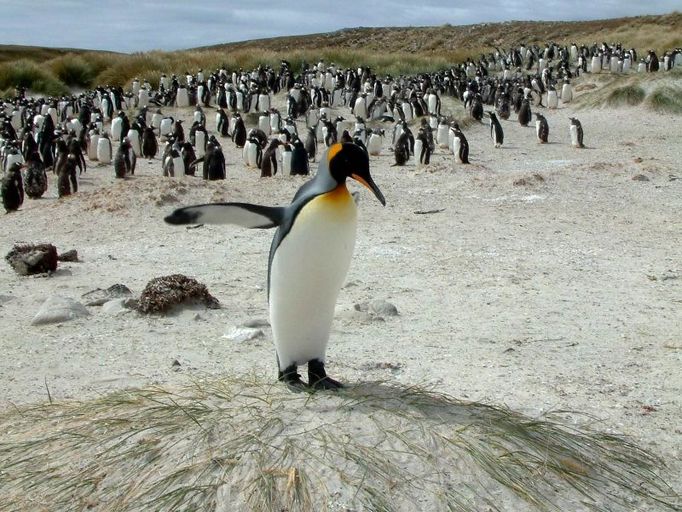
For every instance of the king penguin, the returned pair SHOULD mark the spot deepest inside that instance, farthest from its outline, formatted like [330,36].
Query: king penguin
[309,257]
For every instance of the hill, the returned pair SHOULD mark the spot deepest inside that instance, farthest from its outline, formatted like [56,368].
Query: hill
[398,50]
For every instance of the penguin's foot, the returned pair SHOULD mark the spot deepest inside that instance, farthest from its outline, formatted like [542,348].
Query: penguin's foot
[317,377]
[292,379]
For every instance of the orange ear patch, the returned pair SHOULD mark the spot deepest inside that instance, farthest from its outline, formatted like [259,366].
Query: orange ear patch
[333,150]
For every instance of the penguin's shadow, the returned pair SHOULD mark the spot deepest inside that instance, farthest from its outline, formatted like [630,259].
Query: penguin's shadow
[410,401]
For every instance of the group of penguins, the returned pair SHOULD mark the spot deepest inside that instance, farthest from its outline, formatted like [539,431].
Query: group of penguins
[41,135]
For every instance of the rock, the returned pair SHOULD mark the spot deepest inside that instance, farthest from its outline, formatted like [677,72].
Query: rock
[382,308]
[28,259]
[97,297]
[116,307]
[256,322]
[71,255]
[57,309]
[640,177]
[242,334]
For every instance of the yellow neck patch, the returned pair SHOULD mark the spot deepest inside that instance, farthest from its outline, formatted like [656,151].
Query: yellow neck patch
[334,149]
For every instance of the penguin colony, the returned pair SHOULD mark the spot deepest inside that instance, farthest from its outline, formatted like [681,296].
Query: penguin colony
[335,120]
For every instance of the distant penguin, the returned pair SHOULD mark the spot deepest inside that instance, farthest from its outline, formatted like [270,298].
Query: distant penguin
[566,92]
[461,146]
[576,133]
[422,148]
[133,137]
[524,112]
[268,166]
[92,140]
[311,144]
[374,142]
[67,181]
[122,164]
[173,164]
[286,158]
[299,159]
[309,258]
[222,123]
[401,151]
[166,126]
[104,150]
[541,128]
[214,161]
[35,183]
[552,98]
[12,188]
[496,132]
[239,132]
[149,144]
[200,141]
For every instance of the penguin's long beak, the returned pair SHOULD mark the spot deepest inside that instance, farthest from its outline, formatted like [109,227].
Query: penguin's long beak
[369,183]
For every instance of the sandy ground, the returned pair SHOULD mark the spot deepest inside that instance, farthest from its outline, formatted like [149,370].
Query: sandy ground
[550,279]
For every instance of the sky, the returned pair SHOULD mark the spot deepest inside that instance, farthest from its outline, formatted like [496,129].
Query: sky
[141,25]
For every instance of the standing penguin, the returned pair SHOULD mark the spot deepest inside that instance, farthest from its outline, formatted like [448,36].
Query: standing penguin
[311,144]
[541,128]
[239,131]
[214,161]
[12,188]
[309,258]
[576,133]
[104,148]
[149,144]
[299,159]
[422,147]
[496,132]
[122,164]
[461,145]
[268,165]
[525,114]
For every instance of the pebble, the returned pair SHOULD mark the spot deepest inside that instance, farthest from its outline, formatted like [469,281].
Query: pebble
[57,309]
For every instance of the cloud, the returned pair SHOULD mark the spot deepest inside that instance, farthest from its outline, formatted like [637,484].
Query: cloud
[137,25]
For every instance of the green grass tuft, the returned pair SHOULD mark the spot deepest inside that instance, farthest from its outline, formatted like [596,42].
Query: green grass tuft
[666,99]
[31,75]
[627,95]
[248,445]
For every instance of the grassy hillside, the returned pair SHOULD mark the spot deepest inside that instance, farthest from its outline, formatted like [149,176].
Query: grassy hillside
[386,50]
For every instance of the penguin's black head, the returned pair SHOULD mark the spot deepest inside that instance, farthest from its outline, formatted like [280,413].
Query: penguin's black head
[348,160]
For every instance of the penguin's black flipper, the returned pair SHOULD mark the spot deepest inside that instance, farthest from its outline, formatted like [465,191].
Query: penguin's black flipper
[247,215]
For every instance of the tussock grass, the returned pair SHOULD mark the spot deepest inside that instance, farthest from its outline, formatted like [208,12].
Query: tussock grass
[78,70]
[246,445]
[26,73]
[666,99]
[626,95]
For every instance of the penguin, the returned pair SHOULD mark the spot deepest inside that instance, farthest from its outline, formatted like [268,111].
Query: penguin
[541,128]
[214,161]
[149,144]
[66,177]
[222,123]
[461,149]
[299,159]
[286,158]
[496,132]
[104,148]
[309,257]
[122,164]
[576,133]
[375,141]
[524,112]
[401,152]
[311,144]
[12,188]
[239,131]
[268,165]
[35,184]
[422,147]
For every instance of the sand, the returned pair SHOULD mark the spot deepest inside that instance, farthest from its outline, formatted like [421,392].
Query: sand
[548,279]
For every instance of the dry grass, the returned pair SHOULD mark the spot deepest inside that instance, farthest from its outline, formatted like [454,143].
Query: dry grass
[26,73]
[394,51]
[246,445]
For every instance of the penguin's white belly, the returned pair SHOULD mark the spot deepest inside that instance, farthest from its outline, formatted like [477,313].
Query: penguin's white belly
[308,270]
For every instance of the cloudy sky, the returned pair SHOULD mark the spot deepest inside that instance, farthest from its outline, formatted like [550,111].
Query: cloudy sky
[138,25]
